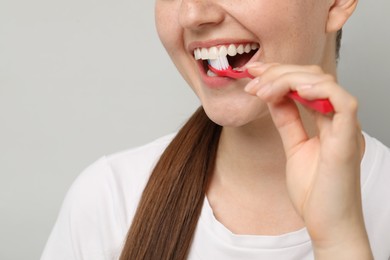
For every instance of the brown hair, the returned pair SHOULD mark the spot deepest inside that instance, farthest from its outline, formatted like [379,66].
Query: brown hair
[172,200]
[338,43]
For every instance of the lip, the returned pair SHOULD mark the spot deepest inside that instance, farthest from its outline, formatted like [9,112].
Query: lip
[213,82]
[218,82]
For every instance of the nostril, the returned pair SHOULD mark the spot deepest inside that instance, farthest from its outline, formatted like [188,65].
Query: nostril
[195,14]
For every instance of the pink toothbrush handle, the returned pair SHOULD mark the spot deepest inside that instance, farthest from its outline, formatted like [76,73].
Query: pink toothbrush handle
[320,105]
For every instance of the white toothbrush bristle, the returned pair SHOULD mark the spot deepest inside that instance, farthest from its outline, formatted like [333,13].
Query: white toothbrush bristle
[221,63]
[224,62]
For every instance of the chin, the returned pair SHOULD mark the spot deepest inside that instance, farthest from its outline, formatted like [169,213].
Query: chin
[235,116]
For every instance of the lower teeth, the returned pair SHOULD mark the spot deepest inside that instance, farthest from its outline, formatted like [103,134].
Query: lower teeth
[211,74]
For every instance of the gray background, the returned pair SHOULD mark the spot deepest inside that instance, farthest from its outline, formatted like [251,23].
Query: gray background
[80,79]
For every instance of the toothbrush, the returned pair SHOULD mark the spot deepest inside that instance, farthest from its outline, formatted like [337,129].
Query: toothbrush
[221,67]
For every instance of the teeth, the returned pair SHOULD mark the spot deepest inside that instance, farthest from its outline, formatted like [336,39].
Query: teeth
[211,74]
[222,51]
[197,54]
[204,54]
[247,48]
[232,50]
[213,53]
[240,49]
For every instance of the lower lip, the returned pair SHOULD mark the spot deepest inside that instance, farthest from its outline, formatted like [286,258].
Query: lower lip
[213,82]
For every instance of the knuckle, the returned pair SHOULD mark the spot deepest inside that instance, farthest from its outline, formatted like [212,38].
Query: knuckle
[353,104]
[315,69]
[329,77]
[272,68]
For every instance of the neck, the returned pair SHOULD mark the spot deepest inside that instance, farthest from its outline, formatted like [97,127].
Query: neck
[253,153]
[248,192]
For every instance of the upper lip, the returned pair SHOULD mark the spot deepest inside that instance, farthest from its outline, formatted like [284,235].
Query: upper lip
[216,42]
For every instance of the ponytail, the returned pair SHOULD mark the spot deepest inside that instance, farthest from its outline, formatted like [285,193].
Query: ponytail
[170,206]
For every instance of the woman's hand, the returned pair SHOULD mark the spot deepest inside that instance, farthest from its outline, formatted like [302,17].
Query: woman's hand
[323,171]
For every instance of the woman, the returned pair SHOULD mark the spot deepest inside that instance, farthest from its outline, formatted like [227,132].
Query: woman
[252,175]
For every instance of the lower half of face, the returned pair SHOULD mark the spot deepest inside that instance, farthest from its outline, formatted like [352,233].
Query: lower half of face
[223,99]
[280,29]
[230,105]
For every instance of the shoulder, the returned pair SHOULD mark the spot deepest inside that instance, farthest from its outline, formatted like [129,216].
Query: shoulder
[133,164]
[376,161]
[135,161]
[100,204]
[129,166]
[118,179]
[375,193]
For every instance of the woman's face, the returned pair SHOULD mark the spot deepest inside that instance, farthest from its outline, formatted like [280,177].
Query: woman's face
[286,31]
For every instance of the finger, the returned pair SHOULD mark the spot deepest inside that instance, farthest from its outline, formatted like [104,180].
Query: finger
[279,87]
[258,68]
[288,122]
[345,106]
[267,73]
[343,125]
[342,101]
[270,71]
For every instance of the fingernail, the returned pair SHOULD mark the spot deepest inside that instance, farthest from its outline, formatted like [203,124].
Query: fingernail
[252,85]
[253,64]
[304,87]
[264,89]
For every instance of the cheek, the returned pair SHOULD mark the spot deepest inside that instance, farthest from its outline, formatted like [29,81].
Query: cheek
[289,31]
[171,34]
[166,24]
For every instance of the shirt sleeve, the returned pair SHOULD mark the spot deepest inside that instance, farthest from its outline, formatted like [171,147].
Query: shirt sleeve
[87,226]
[375,197]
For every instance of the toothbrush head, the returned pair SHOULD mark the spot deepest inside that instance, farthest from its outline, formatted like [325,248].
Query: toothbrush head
[220,63]
[221,67]
[231,73]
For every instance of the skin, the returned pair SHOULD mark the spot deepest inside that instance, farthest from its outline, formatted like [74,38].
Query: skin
[278,162]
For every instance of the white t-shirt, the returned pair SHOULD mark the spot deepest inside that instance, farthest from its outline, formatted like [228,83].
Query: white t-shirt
[99,207]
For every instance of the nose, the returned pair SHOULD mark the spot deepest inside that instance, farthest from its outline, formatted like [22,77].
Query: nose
[197,14]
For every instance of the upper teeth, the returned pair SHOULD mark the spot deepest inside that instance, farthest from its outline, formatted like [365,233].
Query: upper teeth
[231,50]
